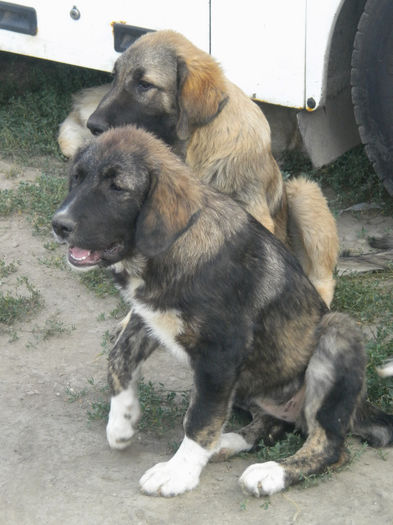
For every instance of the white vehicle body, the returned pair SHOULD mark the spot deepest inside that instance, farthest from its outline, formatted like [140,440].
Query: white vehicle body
[277,51]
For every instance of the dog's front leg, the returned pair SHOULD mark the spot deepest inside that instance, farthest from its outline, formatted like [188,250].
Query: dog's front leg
[132,347]
[205,418]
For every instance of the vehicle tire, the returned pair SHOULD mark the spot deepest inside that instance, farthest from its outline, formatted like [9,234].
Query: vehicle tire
[372,85]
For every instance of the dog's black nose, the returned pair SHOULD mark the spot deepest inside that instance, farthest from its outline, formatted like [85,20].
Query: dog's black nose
[62,226]
[96,125]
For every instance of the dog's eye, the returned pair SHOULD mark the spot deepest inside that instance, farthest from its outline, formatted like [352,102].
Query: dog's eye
[78,176]
[143,85]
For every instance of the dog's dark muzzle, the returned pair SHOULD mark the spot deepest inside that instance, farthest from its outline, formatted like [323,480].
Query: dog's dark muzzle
[96,125]
[63,226]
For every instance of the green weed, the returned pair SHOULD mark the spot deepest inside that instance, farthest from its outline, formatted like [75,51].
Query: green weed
[99,282]
[120,311]
[354,180]
[367,297]
[19,306]
[161,409]
[53,326]
[98,410]
[75,395]
[35,97]
[13,172]
[7,269]
[107,342]
[380,391]
[38,200]
[351,176]
[54,261]
[282,449]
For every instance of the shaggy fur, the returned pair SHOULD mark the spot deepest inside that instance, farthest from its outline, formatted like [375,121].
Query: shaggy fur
[218,290]
[166,85]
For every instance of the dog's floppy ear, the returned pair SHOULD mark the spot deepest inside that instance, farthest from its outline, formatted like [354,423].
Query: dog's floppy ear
[171,207]
[201,94]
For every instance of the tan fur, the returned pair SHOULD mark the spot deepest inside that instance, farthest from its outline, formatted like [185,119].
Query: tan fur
[73,132]
[313,234]
[225,138]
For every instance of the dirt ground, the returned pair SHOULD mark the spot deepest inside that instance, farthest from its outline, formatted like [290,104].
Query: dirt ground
[56,466]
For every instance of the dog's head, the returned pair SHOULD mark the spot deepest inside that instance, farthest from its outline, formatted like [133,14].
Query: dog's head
[128,193]
[164,84]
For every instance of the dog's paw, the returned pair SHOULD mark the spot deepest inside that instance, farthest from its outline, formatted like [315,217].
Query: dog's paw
[263,479]
[230,444]
[179,474]
[168,479]
[119,433]
[123,415]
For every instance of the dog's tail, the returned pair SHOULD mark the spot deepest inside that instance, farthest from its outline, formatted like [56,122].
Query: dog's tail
[308,216]
[373,425]
[386,370]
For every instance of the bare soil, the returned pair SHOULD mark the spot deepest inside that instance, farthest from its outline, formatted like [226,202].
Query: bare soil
[56,466]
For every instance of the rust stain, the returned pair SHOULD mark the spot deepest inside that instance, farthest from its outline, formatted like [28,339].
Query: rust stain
[112,24]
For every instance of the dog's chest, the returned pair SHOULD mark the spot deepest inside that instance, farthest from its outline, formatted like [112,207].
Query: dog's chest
[165,326]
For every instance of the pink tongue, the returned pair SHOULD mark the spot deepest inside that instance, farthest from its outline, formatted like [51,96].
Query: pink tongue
[79,254]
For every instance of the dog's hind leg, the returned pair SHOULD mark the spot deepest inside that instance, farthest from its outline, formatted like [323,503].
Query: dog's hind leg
[132,347]
[262,427]
[334,385]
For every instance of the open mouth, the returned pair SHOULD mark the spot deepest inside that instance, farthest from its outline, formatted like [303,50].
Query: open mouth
[81,257]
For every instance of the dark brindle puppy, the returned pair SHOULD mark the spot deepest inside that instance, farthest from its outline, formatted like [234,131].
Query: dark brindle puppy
[166,85]
[217,289]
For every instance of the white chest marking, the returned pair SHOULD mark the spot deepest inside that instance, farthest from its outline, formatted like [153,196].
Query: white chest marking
[165,326]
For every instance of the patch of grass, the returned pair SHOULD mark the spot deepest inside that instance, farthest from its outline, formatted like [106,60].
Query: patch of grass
[75,395]
[98,410]
[380,391]
[18,306]
[351,176]
[52,327]
[107,342]
[99,282]
[295,163]
[51,246]
[38,200]
[282,449]
[35,97]
[367,297]
[354,180]
[12,173]
[7,269]
[120,311]
[54,261]
[160,409]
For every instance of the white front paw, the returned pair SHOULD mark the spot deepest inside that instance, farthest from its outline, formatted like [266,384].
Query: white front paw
[167,479]
[179,474]
[119,433]
[263,479]
[123,416]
